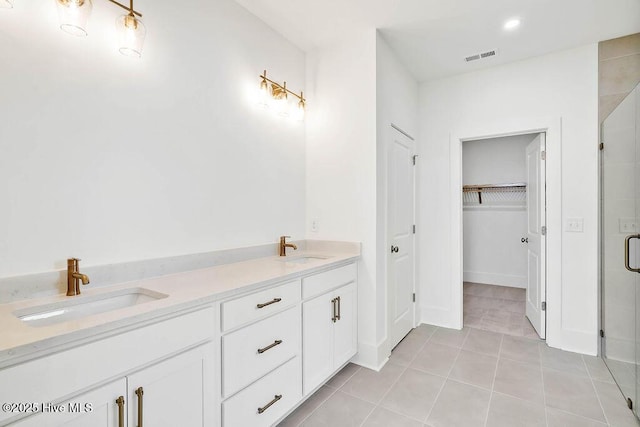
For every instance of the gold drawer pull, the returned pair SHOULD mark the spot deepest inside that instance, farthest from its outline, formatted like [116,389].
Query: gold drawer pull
[120,402]
[273,301]
[139,393]
[268,405]
[339,307]
[334,316]
[270,346]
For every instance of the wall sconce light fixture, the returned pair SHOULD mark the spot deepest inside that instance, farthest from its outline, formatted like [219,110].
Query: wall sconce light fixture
[278,95]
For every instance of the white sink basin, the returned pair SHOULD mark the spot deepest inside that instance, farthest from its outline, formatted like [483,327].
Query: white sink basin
[76,308]
[301,259]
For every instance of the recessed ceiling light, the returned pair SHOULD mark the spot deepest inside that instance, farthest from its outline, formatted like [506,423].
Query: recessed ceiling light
[512,24]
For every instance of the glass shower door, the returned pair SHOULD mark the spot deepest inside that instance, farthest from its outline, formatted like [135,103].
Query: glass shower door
[620,174]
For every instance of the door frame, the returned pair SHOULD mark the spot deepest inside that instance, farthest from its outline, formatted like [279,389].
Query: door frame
[553,129]
[393,131]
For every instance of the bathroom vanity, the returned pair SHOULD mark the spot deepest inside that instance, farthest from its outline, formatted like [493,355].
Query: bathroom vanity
[240,344]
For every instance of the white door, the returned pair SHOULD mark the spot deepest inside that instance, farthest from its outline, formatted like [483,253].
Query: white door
[345,329]
[536,223]
[400,255]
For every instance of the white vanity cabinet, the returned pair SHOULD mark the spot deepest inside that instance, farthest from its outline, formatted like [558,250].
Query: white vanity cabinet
[329,324]
[171,362]
[261,355]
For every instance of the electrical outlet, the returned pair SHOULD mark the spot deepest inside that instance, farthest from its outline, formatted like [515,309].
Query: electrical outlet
[315,225]
[627,225]
[574,225]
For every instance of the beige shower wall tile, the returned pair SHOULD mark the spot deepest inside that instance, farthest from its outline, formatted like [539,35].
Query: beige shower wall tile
[622,46]
[608,103]
[619,75]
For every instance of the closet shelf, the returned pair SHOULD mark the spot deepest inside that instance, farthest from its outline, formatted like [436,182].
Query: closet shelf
[517,187]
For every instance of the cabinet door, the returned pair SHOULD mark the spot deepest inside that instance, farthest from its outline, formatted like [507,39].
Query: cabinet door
[96,408]
[175,392]
[345,334]
[317,341]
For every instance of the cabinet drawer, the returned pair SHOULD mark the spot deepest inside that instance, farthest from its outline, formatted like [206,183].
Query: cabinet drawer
[277,337]
[252,307]
[323,282]
[242,409]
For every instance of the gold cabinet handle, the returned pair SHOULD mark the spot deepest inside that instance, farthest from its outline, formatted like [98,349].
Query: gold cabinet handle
[120,403]
[627,264]
[268,405]
[334,316]
[270,346]
[273,301]
[338,300]
[139,393]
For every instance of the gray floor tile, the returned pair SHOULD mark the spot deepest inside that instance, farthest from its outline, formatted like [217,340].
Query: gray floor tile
[340,410]
[343,376]
[424,331]
[450,337]
[507,411]
[520,349]
[520,380]
[571,393]
[564,361]
[485,342]
[309,405]
[614,405]
[597,369]
[475,369]
[406,351]
[460,405]
[382,417]
[435,359]
[557,418]
[370,385]
[414,394]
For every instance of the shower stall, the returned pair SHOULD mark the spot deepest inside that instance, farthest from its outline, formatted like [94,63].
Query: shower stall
[620,246]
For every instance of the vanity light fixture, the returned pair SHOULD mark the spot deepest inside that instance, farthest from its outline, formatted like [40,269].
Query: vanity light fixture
[74,17]
[279,96]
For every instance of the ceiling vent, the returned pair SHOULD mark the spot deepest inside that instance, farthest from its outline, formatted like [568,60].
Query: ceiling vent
[483,55]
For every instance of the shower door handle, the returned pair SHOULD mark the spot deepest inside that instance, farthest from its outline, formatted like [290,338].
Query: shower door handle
[626,252]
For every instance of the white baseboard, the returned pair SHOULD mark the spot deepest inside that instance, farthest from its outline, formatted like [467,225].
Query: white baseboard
[496,279]
[580,342]
[371,356]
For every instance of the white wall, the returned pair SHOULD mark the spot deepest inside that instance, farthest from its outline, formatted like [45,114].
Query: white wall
[113,159]
[559,85]
[341,161]
[397,103]
[493,251]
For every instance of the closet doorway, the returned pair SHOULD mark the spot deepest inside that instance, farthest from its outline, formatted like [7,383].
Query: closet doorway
[504,234]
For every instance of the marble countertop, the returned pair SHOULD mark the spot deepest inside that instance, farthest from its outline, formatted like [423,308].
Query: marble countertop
[187,290]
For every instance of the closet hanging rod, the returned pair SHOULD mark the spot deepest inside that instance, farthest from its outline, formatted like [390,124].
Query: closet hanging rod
[518,186]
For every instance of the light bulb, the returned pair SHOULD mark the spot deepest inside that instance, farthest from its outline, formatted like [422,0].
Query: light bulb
[299,111]
[131,33]
[74,15]
[282,105]
[263,94]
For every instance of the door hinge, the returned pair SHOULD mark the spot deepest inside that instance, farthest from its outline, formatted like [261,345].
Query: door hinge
[630,403]
[414,229]
[544,230]
[601,333]
[544,306]
[414,159]
[543,155]
[601,146]
[414,297]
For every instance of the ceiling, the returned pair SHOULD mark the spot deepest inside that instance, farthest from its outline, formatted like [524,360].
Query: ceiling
[432,37]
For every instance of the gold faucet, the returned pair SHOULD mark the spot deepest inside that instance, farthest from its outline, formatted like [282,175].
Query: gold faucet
[74,277]
[284,245]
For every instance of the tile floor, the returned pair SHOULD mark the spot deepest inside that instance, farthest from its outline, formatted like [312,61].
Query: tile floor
[474,377]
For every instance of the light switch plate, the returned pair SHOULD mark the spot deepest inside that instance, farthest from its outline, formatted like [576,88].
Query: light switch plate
[574,225]
[627,225]
[314,225]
